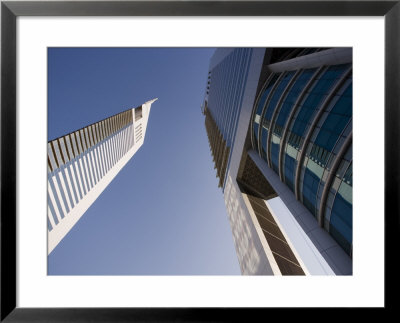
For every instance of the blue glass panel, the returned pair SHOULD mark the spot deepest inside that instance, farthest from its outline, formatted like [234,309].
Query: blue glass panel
[287,107]
[322,86]
[265,94]
[275,156]
[277,94]
[255,125]
[337,119]
[341,223]
[290,164]
[348,176]
[262,100]
[264,135]
[310,187]
[294,140]
[292,96]
[319,155]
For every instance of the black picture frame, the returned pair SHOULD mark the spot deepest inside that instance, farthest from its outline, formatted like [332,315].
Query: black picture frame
[10,10]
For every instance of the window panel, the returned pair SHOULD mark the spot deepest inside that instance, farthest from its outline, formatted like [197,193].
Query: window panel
[341,222]
[265,94]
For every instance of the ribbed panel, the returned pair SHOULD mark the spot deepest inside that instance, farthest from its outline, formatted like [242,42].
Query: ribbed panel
[283,254]
[83,163]
[63,149]
[252,181]
[78,161]
[219,149]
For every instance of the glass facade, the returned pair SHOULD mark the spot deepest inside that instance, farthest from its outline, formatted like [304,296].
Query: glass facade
[308,113]
[338,219]
[285,108]
[270,108]
[320,152]
[260,106]
[228,80]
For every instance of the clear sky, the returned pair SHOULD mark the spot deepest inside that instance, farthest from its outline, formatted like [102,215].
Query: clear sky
[163,214]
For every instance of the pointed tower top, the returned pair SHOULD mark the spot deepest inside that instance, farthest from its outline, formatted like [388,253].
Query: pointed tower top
[151,101]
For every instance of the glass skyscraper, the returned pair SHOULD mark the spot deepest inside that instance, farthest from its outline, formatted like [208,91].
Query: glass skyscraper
[82,163]
[282,119]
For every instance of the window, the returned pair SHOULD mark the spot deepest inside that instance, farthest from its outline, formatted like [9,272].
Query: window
[138,113]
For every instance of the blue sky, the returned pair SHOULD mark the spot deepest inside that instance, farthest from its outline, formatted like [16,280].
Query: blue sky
[163,214]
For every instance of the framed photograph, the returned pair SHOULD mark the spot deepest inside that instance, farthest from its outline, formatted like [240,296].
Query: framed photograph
[161,244]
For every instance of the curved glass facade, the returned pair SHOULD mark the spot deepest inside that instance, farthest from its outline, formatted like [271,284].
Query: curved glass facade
[338,219]
[260,106]
[269,108]
[308,113]
[284,110]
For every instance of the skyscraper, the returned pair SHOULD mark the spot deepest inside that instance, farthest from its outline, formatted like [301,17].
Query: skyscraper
[82,163]
[279,123]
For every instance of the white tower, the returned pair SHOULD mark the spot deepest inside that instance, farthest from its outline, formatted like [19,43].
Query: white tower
[82,163]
